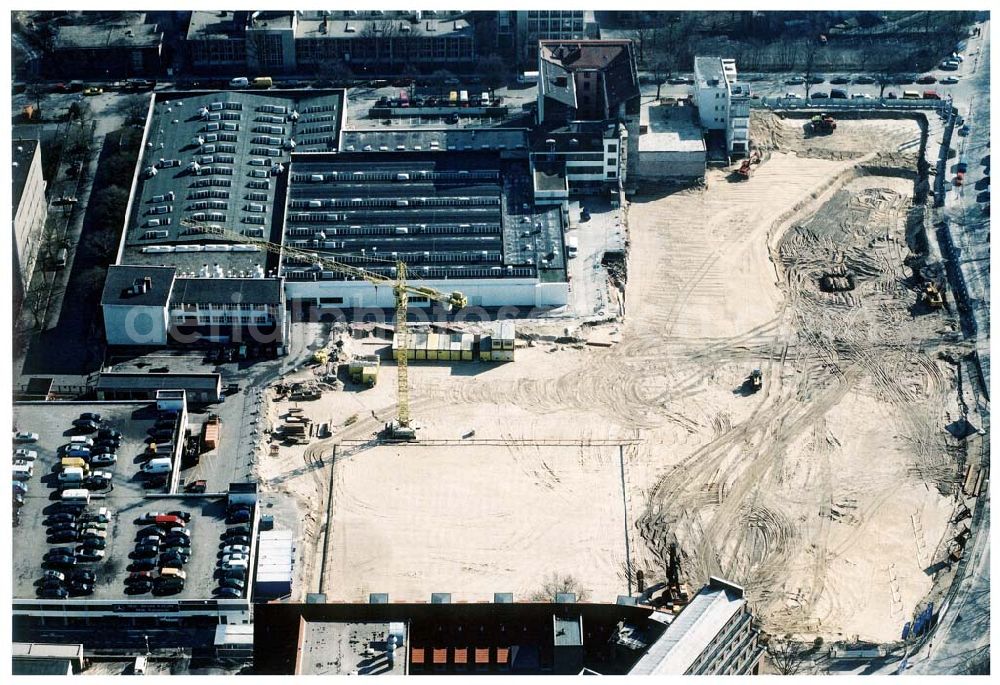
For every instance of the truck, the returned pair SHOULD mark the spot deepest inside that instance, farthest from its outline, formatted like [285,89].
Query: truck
[823,123]
[210,432]
[528,78]
[262,82]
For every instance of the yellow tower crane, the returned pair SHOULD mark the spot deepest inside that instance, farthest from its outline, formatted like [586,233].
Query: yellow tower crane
[400,429]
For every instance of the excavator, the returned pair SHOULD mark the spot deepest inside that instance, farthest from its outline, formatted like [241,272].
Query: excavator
[400,429]
[823,123]
[749,164]
[933,296]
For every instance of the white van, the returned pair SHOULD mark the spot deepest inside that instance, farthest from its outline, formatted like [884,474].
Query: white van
[81,440]
[139,667]
[75,496]
[71,475]
[239,82]
[158,465]
[572,245]
[23,471]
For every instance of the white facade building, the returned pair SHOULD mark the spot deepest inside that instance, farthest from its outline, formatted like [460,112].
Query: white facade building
[30,210]
[723,103]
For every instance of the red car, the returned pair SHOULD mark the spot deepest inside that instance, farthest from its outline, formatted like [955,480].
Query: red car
[959,179]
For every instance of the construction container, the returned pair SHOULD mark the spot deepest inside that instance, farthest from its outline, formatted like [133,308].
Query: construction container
[433,341]
[506,334]
[420,346]
[456,348]
[467,340]
[486,348]
[444,348]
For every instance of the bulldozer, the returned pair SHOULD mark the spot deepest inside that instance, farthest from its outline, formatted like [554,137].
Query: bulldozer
[823,123]
[932,296]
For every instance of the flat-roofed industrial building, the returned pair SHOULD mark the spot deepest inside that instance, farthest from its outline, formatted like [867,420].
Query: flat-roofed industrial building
[463,220]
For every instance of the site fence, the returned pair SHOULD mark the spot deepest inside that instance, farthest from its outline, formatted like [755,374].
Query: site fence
[874,104]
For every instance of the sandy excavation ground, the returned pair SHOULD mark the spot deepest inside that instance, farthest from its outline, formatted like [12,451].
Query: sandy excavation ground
[826,494]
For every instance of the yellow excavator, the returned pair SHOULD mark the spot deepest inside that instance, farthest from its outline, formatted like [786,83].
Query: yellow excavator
[400,429]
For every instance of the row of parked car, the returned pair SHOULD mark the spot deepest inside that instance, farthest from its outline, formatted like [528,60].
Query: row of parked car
[164,544]
[234,552]
[84,452]
[61,578]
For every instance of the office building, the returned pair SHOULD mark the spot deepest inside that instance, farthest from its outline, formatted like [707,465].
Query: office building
[723,104]
[30,210]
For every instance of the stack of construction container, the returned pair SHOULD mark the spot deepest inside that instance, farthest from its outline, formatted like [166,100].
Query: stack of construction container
[454,347]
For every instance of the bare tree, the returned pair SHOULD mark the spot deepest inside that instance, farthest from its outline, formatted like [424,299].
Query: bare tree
[493,70]
[556,584]
[640,36]
[809,69]
[786,655]
[334,70]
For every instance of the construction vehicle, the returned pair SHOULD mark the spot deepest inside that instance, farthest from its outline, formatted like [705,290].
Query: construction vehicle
[932,296]
[823,123]
[749,164]
[364,369]
[399,429]
[321,356]
[756,380]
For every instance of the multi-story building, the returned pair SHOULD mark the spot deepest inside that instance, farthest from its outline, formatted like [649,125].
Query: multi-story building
[217,41]
[378,41]
[713,635]
[518,32]
[588,112]
[106,50]
[367,41]
[30,212]
[723,103]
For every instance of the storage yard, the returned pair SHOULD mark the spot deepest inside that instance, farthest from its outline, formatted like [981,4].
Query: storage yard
[837,475]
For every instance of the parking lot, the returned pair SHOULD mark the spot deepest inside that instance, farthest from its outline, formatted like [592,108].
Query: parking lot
[126,500]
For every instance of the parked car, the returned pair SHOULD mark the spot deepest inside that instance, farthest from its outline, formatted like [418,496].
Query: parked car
[53,519]
[237,540]
[235,549]
[95,543]
[23,437]
[795,81]
[792,96]
[864,79]
[104,459]
[142,565]
[58,551]
[150,531]
[927,78]
[139,588]
[90,416]
[237,573]
[228,593]
[177,541]
[819,95]
[138,577]
[237,530]
[85,425]
[84,552]
[239,516]
[83,575]
[81,589]
[26,455]
[102,515]
[64,536]
[144,552]
[182,515]
[839,80]
[234,583]
[149,517]
[838,94]
[108,432]
[64,525]
[949,80]
[53,593]
[861,96]
[61,560]
[230,558]
[53,575]
[815,78]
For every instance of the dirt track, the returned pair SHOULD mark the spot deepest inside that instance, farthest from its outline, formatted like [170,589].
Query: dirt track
[822,493]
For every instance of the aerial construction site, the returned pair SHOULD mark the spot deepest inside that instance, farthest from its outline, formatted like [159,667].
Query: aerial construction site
[778,398]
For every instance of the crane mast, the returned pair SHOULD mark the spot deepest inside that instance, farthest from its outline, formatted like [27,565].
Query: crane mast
[400,428]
